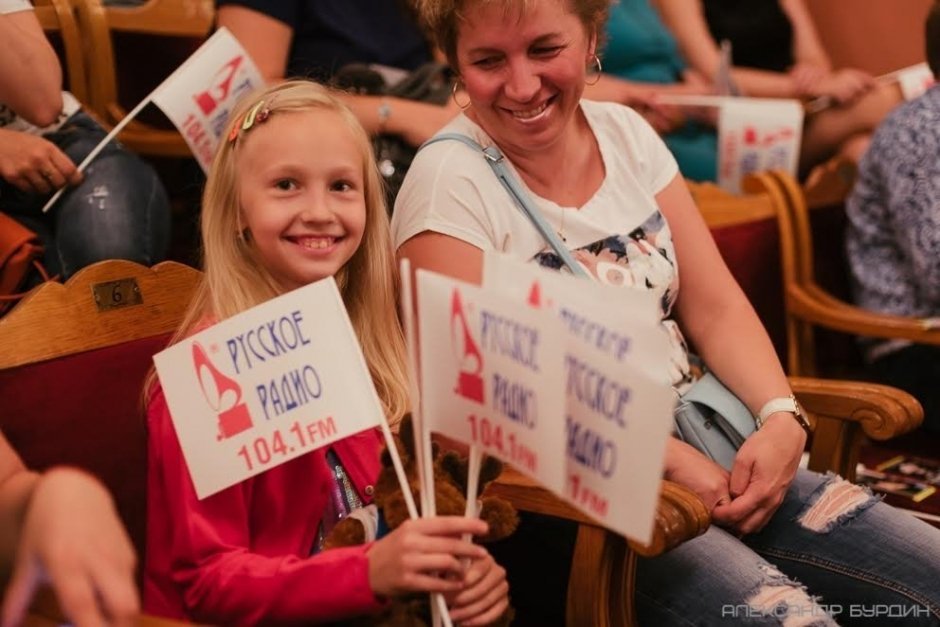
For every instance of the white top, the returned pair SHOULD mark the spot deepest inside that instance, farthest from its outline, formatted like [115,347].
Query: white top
[12,6]
[619,235]
[9,120]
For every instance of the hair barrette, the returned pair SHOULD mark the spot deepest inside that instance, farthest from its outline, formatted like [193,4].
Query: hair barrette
[259,113]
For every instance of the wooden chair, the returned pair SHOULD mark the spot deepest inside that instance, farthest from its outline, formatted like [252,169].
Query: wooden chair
[164,18]
[58,19]
[809,305]
[72,370]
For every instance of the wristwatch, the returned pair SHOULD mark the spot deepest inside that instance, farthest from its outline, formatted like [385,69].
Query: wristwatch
[790,405]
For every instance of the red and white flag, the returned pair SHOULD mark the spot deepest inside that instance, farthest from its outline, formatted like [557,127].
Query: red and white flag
[757,134]
[914,80]
[199,96]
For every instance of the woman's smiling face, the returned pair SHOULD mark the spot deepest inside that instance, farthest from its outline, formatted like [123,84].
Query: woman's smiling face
[524,71]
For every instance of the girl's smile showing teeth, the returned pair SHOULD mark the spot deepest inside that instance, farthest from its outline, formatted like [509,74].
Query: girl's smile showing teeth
[314,242]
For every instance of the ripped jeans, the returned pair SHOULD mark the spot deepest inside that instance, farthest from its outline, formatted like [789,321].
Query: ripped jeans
[833,554]
[119,211]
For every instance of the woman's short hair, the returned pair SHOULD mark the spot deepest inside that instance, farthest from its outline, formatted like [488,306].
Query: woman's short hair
[442,18]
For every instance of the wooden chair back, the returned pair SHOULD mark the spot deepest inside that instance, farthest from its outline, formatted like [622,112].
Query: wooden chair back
[811,303]
[72,370]
[58,18]
[175,20]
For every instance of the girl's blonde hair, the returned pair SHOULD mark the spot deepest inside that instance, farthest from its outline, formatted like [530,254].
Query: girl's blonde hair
[441,18]
[234,279]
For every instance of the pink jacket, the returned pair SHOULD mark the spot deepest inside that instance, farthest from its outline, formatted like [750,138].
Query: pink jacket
[242,555]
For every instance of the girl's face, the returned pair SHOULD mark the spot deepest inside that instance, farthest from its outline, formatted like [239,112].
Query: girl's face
[300,182]
[524,73]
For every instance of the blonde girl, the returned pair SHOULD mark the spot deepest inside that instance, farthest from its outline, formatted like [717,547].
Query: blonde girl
[292,197]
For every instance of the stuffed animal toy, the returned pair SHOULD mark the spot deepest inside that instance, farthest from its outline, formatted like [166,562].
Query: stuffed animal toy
[450,489]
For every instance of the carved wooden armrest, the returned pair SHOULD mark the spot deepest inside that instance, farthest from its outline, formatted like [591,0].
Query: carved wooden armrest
[849,411]
[603,566]
[680,515]
[882,411]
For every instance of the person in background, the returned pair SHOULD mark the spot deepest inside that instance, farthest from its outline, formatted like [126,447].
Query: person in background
[316,38]
[116,209]
[640,63]
[277,216]
[893,235]
[60,528]
[777,53]
[603,179]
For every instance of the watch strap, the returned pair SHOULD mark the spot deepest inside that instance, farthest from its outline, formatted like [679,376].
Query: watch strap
[787,404]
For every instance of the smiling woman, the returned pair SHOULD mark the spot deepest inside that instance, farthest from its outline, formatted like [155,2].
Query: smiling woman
[601,171]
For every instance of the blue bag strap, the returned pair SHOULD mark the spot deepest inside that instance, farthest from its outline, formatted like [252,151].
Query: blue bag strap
[498,164]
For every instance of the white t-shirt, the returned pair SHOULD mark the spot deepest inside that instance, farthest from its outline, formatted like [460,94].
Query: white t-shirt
[9,120]
[619,235]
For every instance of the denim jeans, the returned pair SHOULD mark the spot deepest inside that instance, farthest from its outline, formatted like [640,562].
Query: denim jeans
[869,564]
[119,210]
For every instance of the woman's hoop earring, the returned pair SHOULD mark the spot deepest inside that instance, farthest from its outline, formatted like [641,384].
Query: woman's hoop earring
[453,94]
[595,62]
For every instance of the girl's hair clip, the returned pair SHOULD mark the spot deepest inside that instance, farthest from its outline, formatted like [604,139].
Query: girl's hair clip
[259,113]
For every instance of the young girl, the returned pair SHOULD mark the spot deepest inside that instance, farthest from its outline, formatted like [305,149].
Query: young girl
[293,196]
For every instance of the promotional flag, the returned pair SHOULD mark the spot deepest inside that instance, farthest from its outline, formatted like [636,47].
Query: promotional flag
[756,134]
[915,80]
[491,374]
[619,402]
[199,96]
[268,385]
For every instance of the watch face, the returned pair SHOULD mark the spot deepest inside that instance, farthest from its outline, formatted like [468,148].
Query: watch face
[802,417]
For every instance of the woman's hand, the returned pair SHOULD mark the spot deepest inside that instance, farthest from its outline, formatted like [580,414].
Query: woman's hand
[33,164]
[424,555]
[763,469]
[485,593]
[687,466]
[845,86]
[73,540]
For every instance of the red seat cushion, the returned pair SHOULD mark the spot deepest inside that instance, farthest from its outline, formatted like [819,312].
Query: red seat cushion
[752,252]
[86,410]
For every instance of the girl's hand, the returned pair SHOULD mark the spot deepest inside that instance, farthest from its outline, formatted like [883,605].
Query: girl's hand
[485,593]
[762,472]
[419,555]
[686,466]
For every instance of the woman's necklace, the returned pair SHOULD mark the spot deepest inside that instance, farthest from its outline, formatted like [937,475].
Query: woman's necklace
[561,230]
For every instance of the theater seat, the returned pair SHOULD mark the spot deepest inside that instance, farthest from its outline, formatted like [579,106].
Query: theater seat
[72,368]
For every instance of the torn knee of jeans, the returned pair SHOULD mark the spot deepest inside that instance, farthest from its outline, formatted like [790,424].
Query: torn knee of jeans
[788,602]
[836,501]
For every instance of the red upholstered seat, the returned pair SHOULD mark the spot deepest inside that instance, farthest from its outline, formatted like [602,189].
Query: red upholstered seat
[85,410]
[752,252]
[72,367]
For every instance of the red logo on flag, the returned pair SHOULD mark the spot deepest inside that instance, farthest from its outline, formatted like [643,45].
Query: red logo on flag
[209,99]
[470,378]
[235,418]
